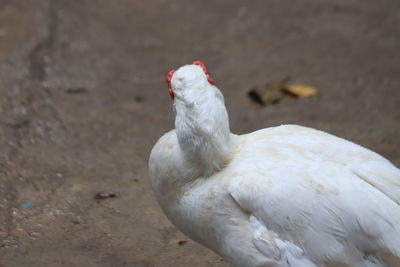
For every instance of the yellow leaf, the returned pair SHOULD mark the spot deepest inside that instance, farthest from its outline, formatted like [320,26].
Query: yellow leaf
[301,91]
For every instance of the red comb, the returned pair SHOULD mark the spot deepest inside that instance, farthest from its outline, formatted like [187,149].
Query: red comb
[169,77]
[203,66]
[210,80]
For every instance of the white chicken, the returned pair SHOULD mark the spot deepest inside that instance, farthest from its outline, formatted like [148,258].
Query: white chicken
[281,196]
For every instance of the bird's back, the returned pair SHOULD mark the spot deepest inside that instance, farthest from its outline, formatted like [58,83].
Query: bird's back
[337,200]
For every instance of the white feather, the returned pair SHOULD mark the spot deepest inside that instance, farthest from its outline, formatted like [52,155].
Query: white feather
[282,196]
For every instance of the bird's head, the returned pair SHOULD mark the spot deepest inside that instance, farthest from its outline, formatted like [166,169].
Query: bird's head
[187,78]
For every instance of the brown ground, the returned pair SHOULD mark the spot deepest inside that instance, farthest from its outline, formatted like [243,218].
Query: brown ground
[83,100]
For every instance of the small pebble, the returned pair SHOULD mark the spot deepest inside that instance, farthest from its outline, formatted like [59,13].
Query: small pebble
[26,205]
[182,242]
[104,195]
[73,91]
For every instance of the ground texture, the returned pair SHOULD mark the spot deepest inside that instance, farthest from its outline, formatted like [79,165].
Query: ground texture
[83,100]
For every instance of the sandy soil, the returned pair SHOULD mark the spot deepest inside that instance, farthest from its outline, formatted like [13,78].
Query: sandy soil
[83,100]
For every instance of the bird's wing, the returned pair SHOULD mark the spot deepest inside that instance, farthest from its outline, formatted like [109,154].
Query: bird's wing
[382,175]
[272,246]
[328,226]
[318,194]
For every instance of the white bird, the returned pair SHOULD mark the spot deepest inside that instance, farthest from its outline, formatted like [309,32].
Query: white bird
[281,196]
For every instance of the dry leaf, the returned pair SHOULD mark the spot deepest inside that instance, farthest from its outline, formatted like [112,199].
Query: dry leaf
[300,91]
[269,93]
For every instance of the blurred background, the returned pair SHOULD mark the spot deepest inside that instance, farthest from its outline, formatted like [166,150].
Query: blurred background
[83,100]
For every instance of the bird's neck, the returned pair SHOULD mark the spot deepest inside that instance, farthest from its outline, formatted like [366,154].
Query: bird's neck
[202,128]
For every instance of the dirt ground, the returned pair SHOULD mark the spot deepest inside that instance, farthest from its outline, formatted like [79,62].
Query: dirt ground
[83,100]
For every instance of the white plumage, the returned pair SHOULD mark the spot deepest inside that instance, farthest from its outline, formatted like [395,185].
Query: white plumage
[281,196]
